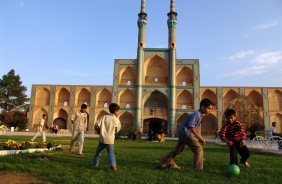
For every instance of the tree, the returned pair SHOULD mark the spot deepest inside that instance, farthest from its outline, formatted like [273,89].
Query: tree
[12,93]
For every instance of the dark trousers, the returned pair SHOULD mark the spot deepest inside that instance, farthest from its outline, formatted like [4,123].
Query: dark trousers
[243,152]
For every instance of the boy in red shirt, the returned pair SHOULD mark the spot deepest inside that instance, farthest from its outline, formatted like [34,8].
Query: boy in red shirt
[233,134]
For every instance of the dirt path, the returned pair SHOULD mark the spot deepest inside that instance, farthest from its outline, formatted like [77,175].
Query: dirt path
[18,178]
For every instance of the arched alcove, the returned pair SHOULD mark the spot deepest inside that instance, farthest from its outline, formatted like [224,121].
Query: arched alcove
[38,116]
[184,76]
[103,97]
[127,122]
[185,98]
[256,99]
[60,118]
[63,97]
[127,74]
[127,97]
[156,71]
[275,101]
[228,97]
[42,97]
[84,96]
[157,101]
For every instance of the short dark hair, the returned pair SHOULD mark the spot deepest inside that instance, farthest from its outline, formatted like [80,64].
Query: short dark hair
[43,115]
[273,123]
[113,108]
[83,106]
[206,102]
[230,112]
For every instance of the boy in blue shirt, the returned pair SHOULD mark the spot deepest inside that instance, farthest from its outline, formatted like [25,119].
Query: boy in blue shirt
[189,134]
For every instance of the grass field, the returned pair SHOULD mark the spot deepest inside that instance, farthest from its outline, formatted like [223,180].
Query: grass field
[138,162]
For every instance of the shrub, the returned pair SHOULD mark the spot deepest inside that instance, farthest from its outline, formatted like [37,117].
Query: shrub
[14,119]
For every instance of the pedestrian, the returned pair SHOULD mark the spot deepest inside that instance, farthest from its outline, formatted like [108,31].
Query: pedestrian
[107,126]
[40,129]
[79,121]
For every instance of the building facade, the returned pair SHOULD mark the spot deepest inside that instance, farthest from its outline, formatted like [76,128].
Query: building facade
[156,92]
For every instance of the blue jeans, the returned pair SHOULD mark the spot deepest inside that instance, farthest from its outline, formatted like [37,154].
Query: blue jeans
[111,154]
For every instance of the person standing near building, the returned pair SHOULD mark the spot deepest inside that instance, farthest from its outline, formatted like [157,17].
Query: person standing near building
[189,134]
[40,129]
[273,130]
[79,121]
[107,126]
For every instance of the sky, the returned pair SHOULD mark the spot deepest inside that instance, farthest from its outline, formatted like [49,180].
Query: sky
[75,42]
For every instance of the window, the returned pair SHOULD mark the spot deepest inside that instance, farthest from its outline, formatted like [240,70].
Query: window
[183,83]
[156,79]
[183,106]
[65,103]
[128,83]
[105,105]
[127,105]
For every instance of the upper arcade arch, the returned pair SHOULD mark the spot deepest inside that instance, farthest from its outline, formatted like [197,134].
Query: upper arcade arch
[127,76]
[127,99]
[63,96]
[185,98]
[275,101]
[184,77]
[255,98]
[228,97]
[156,71]
[83,97]
[42,97]
[104,98]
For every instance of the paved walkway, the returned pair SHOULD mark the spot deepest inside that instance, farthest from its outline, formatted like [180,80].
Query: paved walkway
[8,133]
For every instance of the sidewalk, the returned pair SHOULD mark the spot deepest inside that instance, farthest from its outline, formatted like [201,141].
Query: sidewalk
[8,133]
[249,142]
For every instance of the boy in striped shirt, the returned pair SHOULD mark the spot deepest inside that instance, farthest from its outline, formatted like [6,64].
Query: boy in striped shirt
[233,134]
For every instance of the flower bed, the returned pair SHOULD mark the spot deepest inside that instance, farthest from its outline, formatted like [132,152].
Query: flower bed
[12,147]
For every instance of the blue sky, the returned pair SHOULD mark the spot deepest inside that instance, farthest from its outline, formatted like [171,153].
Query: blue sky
[238,43]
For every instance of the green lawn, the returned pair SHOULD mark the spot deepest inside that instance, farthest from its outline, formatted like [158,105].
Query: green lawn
[138,162]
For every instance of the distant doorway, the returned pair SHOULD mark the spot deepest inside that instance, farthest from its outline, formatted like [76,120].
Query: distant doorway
[61,122]
[154,126]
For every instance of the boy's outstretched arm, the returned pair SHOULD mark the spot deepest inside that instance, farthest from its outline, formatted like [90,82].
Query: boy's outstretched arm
[198,135]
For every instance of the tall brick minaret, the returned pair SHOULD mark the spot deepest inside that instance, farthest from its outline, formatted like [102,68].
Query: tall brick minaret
[141,22]
[171,23]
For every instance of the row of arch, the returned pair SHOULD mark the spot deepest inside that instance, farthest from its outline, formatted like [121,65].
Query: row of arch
[156,73]
[127,98]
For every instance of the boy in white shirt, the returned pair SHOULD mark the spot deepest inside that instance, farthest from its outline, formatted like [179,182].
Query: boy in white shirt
[79,121]
[107,126]
[40,129]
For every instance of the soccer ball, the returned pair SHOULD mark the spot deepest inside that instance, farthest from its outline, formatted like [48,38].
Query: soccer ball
[233,170]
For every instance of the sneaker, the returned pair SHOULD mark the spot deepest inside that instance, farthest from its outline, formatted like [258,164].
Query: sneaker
[113,168]
[70,149]
[173,165]
[248,165]
[80,154]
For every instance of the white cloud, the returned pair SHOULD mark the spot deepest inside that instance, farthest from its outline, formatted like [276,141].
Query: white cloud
[262,63]
[268,58]
[242,54]
[74,73]
[247,71]
[266,25]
